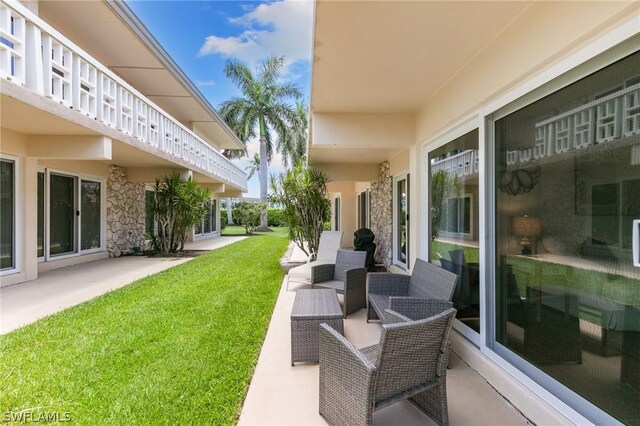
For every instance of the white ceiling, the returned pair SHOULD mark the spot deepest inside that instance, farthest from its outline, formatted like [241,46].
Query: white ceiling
[391,56]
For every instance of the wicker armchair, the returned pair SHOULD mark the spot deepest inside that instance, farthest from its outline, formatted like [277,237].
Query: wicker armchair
[409,362]
[347,276]
[408,293]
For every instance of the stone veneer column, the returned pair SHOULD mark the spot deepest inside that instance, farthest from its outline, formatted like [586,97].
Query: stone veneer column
[125,212]
[381,214]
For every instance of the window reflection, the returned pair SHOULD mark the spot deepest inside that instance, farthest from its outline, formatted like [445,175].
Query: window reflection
[567,294]
[453,193]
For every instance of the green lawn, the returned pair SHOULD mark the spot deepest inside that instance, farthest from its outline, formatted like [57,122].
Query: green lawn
[178,347]
[233,230]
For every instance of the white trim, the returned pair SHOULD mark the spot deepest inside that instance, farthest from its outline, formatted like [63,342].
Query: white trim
[17,218]
[395,251]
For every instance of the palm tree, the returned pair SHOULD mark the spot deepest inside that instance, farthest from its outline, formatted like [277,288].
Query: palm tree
[294,144]
[263,106]
[254,166]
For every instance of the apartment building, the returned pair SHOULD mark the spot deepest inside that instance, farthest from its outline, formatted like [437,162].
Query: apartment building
[500,140]
[93,112]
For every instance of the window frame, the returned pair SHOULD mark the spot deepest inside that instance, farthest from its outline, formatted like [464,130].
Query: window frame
[406,176]
[17,221]
[78,178]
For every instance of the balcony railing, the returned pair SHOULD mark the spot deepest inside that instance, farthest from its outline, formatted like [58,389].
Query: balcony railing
[602,121]
[459,165]
[36,56]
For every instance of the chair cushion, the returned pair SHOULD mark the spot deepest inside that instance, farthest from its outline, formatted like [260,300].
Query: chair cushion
[338,286]
[379,302]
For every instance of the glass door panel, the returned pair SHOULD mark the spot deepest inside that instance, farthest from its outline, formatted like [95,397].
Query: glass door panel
[62,215]
[454,217]
[7,214]
[41,213]
[207,218]
[401,246]
[90,208]
[568,190]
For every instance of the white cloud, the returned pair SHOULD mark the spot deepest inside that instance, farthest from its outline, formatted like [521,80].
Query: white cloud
[205,83]
[280,28]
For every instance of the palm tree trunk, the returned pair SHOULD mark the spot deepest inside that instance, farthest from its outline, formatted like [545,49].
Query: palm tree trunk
[263,180]
[229,215]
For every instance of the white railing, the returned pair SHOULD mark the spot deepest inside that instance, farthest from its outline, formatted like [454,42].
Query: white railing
[459,165]
[601,121]
[35,55]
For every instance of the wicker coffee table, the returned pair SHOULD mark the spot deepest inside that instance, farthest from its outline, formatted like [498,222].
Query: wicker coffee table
[310,309]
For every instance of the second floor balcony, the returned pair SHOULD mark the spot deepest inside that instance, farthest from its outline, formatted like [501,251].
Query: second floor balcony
[35,56]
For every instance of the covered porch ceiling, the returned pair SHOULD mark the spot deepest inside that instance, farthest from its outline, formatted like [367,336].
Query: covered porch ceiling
[111,33]
[382,59]
[391,56]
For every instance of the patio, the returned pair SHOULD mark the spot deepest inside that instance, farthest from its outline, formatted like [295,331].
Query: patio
[285,395]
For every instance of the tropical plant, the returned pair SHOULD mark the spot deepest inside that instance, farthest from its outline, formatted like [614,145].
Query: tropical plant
[247,215]
[302,191]
[294,142]
[442,185]
[253,167]
[178,205]
[262,106]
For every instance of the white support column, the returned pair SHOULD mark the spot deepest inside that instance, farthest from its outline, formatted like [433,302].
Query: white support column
[30,218]
[34,78]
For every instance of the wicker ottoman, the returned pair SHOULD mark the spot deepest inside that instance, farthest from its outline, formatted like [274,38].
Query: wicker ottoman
[310,309]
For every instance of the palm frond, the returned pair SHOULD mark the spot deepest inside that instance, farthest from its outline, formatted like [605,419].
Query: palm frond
[240,74]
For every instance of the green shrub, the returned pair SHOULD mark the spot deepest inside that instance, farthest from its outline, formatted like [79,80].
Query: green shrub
[223,219]
[247,215]
[275,217]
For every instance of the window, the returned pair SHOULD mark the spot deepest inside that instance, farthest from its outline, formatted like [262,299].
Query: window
[336,214]
[401,220]
[364,209]
[41,213]
[456,215]
[453,170]
[70,214]
[90,214]
[7,214]
[567,190]
[209,224]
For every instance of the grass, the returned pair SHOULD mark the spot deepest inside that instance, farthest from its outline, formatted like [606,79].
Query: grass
[231,230]
[178,347]
[532,273]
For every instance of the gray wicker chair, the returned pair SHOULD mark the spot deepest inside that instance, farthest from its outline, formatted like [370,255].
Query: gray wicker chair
[347,276]
[409,362]
[399,292]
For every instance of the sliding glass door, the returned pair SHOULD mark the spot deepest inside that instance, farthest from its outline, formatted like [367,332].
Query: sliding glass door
[90,214]
[73,218]
[567,296]
[401,220]
[62,215]
[7,214]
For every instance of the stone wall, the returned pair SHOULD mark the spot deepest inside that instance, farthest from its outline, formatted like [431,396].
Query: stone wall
[382,214]
[125,212]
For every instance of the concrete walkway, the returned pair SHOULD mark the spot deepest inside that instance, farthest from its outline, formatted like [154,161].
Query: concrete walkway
[283,395]
[56,290]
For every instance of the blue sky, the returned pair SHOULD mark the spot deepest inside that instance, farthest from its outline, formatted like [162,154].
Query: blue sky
[201,35]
